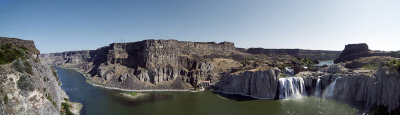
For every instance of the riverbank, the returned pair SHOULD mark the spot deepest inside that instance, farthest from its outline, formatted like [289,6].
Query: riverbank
[130,90]
[98,100]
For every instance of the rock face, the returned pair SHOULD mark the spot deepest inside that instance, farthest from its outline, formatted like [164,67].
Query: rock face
[27,86]
[258,84]
[355,51]
[380,89]
[299,53]
[151,64]
[162,64]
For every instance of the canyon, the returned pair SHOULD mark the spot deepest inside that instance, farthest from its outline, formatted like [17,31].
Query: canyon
[360,75]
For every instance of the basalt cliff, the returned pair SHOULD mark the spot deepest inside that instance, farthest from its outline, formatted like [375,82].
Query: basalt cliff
[26,85]
[172,64]
[361,75]
[370,80]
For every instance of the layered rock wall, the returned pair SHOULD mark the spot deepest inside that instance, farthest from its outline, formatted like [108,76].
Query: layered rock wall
[310,54]
[27,86]
[258,84]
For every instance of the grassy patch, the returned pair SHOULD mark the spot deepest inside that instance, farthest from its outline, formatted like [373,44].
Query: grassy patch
[66,108]
[131,93]
[370,66]
[394,65]
[5,99]
[282,75]
[9,53]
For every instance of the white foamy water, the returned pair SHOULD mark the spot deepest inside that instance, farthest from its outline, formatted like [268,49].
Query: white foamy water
[291,87]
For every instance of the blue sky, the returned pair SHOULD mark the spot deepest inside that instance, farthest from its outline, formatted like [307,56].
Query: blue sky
[62,25]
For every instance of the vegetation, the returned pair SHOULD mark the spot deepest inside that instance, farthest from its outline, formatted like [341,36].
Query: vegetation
[9,53]
[5,99]
[66,107]
[24,83]
[132,93]
[53,70]
[379,110]
[370,66]
[394,65]
[17,65]
[22,66]
[28,67]
[48,97]
[282,75]
[306,62]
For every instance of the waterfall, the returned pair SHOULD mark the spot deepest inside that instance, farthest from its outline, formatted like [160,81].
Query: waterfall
[291,87]
[318,87]
[329,91]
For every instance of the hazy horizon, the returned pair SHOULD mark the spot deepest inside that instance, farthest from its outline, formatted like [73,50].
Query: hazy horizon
[58,26]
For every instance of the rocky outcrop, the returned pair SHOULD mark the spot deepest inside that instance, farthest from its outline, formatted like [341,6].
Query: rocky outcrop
[259,84]
[381,89]
[27,86]
[151,64]
[355,51]
[299,53]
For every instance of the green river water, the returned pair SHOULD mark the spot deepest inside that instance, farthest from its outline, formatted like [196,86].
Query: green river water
[100,101]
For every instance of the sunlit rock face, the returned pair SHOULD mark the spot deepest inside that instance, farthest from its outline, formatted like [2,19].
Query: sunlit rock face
[151,64]
[258,84]
[28,87]
[380,89]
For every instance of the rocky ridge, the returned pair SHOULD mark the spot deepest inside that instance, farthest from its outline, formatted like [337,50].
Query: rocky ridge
[165,64]
[355,51]
[376,86]
[27,86]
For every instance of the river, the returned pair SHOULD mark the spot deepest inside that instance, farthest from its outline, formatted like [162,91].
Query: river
[100,101]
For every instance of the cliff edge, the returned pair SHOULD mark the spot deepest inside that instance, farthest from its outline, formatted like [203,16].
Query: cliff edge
[27,86]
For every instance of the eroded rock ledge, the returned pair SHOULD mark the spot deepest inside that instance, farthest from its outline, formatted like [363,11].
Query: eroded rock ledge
[27,86]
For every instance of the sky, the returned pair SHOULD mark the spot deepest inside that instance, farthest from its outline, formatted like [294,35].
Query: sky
[64,25]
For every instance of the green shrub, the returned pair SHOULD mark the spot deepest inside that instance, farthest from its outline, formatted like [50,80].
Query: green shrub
[22,66]
[394,65]
[25,84]
[306,62]
[28,67]
[66,107]
[48,97]
[370,66]
[9,53]
[5,99]
[17,65]
[53,70]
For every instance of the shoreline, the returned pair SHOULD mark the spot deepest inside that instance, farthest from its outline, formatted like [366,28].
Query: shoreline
[223,92]
[129,90]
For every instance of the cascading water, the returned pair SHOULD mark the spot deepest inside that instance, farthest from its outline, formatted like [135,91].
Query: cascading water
[318,87]
[291,87]
[329,91]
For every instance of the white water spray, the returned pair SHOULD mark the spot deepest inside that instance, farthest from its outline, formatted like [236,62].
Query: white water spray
[291,87]
[329,91]
[318,87]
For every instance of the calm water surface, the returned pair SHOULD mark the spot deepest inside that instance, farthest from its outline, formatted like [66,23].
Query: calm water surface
[100,101]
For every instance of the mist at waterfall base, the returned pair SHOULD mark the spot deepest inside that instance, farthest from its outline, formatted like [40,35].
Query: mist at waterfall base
[100,101]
